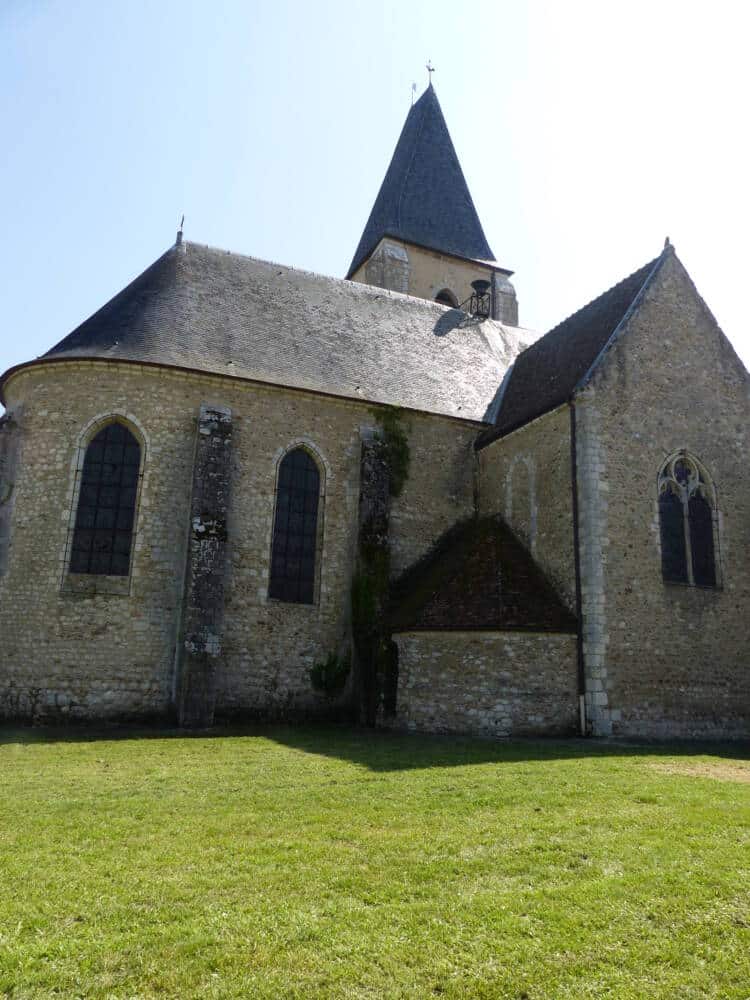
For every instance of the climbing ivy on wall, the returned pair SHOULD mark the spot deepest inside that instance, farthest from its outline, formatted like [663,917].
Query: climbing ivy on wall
[329,676]
[395,440]
[385,470]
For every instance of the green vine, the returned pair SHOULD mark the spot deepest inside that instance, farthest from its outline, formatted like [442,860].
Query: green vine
[387,469]
[330,675]
[395,440]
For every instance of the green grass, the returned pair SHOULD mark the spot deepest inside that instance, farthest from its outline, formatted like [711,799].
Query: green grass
[284,862]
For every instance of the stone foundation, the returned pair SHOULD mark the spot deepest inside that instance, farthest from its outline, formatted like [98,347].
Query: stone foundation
[487,683]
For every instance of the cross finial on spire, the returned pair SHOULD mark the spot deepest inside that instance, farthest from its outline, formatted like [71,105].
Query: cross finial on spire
[430,70]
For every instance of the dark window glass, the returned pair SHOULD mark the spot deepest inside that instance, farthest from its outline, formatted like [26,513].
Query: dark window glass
[103,533]
[446,298]
[702,541]
[295,529]
[673,554]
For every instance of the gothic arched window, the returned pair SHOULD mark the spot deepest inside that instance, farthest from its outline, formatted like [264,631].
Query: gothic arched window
[686,521]
[103,533]
[295,529]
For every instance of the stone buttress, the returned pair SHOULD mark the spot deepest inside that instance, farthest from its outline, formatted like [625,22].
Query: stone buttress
[206,562]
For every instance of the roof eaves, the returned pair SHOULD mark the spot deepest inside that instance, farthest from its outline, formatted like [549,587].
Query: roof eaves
[489,434]
[77,359]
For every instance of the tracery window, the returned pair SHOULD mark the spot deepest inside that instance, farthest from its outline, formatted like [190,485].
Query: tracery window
[295,529]
[686,520]
[103,532]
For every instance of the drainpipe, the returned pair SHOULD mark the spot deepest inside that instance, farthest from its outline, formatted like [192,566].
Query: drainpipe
[577,555]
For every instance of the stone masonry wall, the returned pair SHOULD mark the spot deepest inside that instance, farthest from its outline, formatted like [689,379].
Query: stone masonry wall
[199,655]
[487,683]
[425,273]
[526,477]
[664,659]
[10,448]
[109,651]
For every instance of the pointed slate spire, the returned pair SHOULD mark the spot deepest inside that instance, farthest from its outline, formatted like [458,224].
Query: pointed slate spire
[424,198]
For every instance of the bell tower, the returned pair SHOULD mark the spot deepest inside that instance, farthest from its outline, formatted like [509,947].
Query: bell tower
[424,237]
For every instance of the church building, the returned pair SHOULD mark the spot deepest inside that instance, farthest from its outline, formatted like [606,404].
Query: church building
[242,490]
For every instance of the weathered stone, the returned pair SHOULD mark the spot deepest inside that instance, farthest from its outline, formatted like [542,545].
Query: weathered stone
[206,559]
[487,683]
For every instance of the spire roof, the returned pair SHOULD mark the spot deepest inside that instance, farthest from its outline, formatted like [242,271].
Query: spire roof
[424,198]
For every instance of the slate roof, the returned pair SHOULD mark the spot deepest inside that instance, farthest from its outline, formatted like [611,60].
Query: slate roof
[478,576]
[547,373]
[424,198]
[201,308]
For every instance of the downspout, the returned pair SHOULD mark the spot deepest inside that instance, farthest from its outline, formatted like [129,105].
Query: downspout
[577,558]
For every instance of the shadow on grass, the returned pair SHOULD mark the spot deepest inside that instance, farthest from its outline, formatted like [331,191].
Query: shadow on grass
[383,750]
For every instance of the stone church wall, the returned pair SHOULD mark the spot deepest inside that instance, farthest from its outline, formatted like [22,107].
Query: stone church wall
[107,648]
[487,683]
[526,477]
[664,659]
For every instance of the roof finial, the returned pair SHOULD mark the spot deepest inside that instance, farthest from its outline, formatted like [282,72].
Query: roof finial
[179,231]
[413,92]
[430,70]
[666,242]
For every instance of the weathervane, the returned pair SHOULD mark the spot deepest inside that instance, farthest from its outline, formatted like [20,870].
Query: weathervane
[430,70]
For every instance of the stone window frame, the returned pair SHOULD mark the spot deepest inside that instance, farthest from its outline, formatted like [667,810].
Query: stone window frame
[324,470]
[87,583]
[708,490]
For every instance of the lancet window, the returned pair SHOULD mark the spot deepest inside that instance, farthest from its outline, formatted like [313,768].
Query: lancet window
[103,532]
[295,529]
[686,520]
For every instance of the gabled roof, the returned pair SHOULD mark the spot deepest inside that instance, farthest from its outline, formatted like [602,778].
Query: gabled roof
[478,576]
[546,374]
[209,310]
[424,198]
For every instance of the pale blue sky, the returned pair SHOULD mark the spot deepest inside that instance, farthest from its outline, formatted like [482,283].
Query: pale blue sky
[587,132]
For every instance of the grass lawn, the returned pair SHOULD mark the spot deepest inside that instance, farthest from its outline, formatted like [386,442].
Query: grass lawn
[322,862]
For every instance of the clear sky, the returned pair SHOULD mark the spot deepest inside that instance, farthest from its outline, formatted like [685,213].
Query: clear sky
[588,131]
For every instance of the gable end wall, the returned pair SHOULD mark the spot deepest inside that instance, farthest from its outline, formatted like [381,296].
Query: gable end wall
[663,660]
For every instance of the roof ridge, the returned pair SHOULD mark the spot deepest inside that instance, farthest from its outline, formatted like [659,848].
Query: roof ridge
[635,301]
[359,287]
[550,370]
[420,126]
[601,295]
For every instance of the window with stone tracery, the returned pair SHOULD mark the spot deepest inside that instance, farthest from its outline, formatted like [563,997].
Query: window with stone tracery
[686,521]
